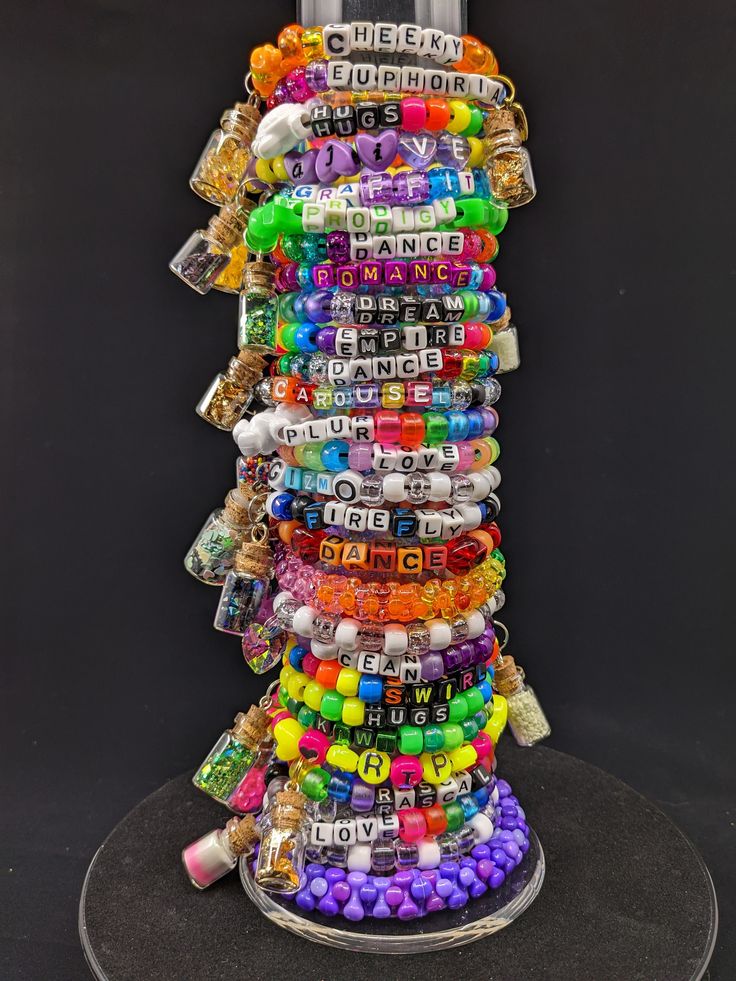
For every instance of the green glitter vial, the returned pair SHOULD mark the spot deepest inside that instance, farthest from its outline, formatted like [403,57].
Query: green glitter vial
[259,307]
[233,754]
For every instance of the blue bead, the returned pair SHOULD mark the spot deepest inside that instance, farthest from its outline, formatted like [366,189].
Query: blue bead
[475,423]
[306,337]
[300,312]
[309,481]
[440,183]
[485,689]
[482,184]
[494,362]
[476,275]
[293,478]
[469,806]
[340,786]
[497,302]
[457,426]
[482,796]
[334,455]
[441,397]
[370,688]
[304,277]
[281,506]
[296,657]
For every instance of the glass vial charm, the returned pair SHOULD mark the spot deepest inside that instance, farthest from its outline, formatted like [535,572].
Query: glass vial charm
[245,587]
[215,854]
[233,754]
[211,556]
[203,258]
[509,165]
[281,855]
[229,394]
[526,718]
[224,160]
[258,312]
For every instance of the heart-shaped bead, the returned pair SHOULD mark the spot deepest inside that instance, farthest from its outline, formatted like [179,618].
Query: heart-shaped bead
[336,159]
[417,149]
[301,167]
[377,152]
[453,151]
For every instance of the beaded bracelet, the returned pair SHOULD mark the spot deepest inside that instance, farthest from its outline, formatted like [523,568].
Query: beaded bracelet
[389,395]
[387,557]
[385,272]
[457,160]
[387,426]
[412,113]
[398,367]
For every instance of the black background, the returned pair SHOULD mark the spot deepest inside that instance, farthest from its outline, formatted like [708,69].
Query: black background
[618,465]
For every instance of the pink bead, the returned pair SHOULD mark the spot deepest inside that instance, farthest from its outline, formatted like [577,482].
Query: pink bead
[413,114]
[313,746]
[482,744]
[489,278]
[412,825]
[296,83]
[473,336]
[406,772]
[360,456]
[467,456]
[388,427]
[472,244]
[310,664]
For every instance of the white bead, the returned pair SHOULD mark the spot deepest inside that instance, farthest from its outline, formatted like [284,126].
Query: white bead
[303,620]
[389,78]
[313,216]
[402,219]
[447,791]
[315,431]
[346,486]
[430,360]
[336,215]
[433,43]
[346,342]
[326,194]
[406,459]
[453,50]
[359,858]
[429,523]
[467,183]
[494,475]
[356,519]
[306,192]
[435,81]
[361,35]
[471,516]
[358,220]
[347,659]
[431,243]
[404,798]
[445,210]
[458,84]
[361,370]
[339,427]
[440,635]
[482,828]
[452,523]
[424,218]
[346,633]
[485,89]
[366,828]
[388,825]
[390,665]
[383,367]
[361,246]
[325,652]
[494,796]
[481,486]
[368,662]
[364,77]
[410,671]
[384,246]
[395,638]
[277,473]
[338,372]
[415,337]
[440,487]
[408,38]
[453,243]
[349,192]
[456,335]
[339,74]
[449,458]
[407,246]
[384,37]
[320,833]
[476,624]
[394,487]
[429,854]
[412,79]
[379,519]
[345,832]
[409,365]
[384,459]
[464,783]
[280,130]
[428,458]
[362,428]
[336,40]
[334,514]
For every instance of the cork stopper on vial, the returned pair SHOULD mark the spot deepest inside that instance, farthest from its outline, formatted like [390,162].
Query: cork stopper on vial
[507,679]
[258,275]
[250,727]
[254,558]
[242,834]
[236,509]
[289,809]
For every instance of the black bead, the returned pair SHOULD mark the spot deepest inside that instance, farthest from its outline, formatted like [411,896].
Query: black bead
[388,310]
[453,306]
[299,505]
[364,738]
[480,671]
[410,309]
[403,523]
[321,121]
[424,795]
[478,393]
[367,115]
[394,692]
[419,715]
[440,712]
[466,679]
[384,798]
[390,114]
[386,741]
[374,718]
[369,341]
[480,777]
[446,689]
[342,734]
[314,516]
[323,725]
[396,715]
[390,339]
[492,508]
[344,120]
[438,335]
[421,694]
[365,309]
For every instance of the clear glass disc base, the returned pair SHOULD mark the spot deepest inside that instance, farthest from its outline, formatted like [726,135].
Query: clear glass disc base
[438,931]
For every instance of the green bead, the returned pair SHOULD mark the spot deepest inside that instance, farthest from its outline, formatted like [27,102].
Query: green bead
[312,456]
[471,303]
[291,245]
[470,729]
[498,555]
[306,717]
[434,739]
[386,741]
[262,233]
[284,363]
[481,718]
[286,307]
[331,706]
[455,815]
[283,696]
[497,218]
[458,708]
[411,740]
[473,700]
[453,734]
[484,364]
[342,734]
[314,784]
[293,706]
[288,332]
[476,122]
[436,428]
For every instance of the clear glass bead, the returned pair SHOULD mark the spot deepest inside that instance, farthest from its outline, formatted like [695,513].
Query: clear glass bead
[371,490]
[493,392]
[449,850]
[417,638]
[462,488]
[462,395]
[418,486]
[499,598]
[318,368]
[465,840]
[383,858]
[262,391]
[407,855]
[286,613]
[336,855]
[324,627]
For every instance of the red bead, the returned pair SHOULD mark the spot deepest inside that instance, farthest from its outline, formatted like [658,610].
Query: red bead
[306,543]
[412,429]
[452,366]
[464,553]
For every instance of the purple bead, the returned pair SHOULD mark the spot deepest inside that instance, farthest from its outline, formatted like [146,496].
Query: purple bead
[326,339]
[376,189]
[323,275]
[368,892]
[363,797]
[336,159]
[301,167]
[453,658]
[341,891]
[377,152]
[354,908]
[433,666]
[490,420]
[408,910]
[317,306]
[483,646]
[296,83]
[366,396]
[496,878]
[348,276]
[453,150]
[444,888]
[411,187]
[305,900]
[319,887]
[485,868]
[394,273]
[481,853]
[338,246]
[381,909]
[281,93]
[394,894]
[371,273]
[360,456]
[466,877]
[417,149]
[504,789]
[316,75]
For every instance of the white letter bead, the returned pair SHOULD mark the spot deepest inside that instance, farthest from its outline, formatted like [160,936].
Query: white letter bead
[321,833]
[453,243]
[378,519]
[336,213]
[346,342]
[445,210]
[344,832]
[360,370]
[453,50]
[424,217]
[404,799]
[453,523]
[384,37]
[369,662]
[430,360]
[366,828]
[415,337]
[313,216]
[435,81]
[347,659]
[431,243]
[458,84]
[402,219]
[346,487]
[338,372]
[412,79]
[433,44]
[339,74]
[411,670]
[336,40]
[340,427]
[384,459]
[389,78]
[363,429]
[335,515]
[429,523]
[456,335]
[384,246]
[361,246]
[409,365]
[447,791]
[381,219]
[350,193]
[356,519]
[406,459]
[358,220]
[467,183]
[306,192]
[409,38]
[346,632]
[388,825]
[361,35]
[365,77]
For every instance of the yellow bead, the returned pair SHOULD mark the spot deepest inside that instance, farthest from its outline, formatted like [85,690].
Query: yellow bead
[279,169]
[476,152]
[312,44]
[436,767]
[460,116]
[463,757]
[286,672]
[313,695]
[392,395]
[342,757]
[348,681]
[374,766]
[497,722]
[287,733]
[296,685]
[263,170]
[353,711]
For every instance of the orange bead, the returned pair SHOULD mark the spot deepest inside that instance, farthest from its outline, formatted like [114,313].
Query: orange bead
[290,42]
[477,57]
[438,113]
[265,66]
[287,529]
[327,673]
[490,246]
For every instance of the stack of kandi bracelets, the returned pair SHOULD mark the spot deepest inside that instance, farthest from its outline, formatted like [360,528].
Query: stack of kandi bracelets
[359,214]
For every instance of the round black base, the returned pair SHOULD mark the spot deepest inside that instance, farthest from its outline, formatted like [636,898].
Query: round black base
[626,897]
